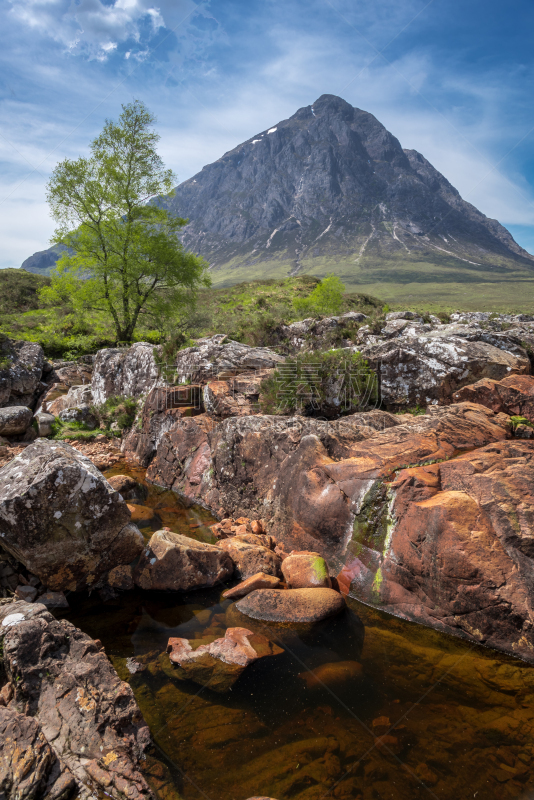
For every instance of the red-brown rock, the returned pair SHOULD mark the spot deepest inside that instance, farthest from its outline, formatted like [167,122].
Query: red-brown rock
[251,557]
[305,570]
[258,581]
[173,561]
[514,395]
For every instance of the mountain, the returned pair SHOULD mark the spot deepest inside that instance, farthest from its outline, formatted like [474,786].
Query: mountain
[43,261]
[331,190]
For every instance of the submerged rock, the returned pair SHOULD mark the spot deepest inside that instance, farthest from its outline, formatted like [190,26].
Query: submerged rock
[61,518]
[89,717]
[291,605]
[335,673]
[218,665]
[305,570]
[258,581]
[173,561]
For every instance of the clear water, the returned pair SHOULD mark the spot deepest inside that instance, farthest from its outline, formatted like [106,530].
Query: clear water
[421,715]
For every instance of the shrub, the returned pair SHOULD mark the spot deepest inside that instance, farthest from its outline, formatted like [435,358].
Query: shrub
[119,410]
[331,383]
[326,298]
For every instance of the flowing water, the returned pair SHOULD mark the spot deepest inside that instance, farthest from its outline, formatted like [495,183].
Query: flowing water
[391,710]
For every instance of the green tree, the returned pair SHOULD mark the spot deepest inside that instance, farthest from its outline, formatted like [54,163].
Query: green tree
[125,257]
[326,298]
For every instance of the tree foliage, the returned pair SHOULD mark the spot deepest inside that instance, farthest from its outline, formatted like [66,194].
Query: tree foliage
[326,298]
[125,256]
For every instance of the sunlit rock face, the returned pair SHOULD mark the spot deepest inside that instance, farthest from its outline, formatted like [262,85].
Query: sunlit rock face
[61,518]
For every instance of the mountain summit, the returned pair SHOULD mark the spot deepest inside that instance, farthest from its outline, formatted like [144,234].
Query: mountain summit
[331,188]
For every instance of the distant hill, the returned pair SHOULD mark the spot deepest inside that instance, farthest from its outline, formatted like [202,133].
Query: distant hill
[44,261]
[331,190]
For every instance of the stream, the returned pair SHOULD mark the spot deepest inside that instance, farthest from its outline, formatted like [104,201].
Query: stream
[392,710]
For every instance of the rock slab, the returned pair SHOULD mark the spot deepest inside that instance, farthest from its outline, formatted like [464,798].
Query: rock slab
[291,605]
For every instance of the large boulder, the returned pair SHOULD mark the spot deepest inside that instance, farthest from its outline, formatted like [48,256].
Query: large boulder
[458,552]
[291,605]
[125,372]
[75,397]
[305,570]
[418,370]
[219,664]
[61,518]
[15,420]
[176,562]
[220,357]
[75,701]
[21,369]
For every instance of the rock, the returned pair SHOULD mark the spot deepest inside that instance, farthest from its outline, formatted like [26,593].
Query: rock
[459,554]
[411,315]
[121,578]
[291,605]
[183,457]
[55,599]
[81,414]
[336,673]
[305,570]
[250,558]
[29,767]
[76,397]
[20,381]
[513,395]
[27,593]
[172,561]
[125,372]
[258,581]
[418,370]
[61,518]
[163,409]
[235,397]
[220,357]
[44,423]
[15,420]
[87,714]
[219,664]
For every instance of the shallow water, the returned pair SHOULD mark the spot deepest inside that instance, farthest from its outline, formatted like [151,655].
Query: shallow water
[418,714]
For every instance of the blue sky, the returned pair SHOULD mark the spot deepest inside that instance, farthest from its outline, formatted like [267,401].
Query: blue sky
[450,78]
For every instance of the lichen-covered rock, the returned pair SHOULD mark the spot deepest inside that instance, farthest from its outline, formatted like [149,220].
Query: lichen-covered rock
[20,378]
[311,333]
[29,767]
[15,420]
[183,456]
[62,519]
[44,423]
[220,357]
[291,605]
[82,414]
[63,679]
[418,370]
[173,561]
[305,570]
[218,665]
[458,553]
[130,372]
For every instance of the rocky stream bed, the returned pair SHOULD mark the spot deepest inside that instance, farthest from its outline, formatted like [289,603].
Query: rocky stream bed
[223,603]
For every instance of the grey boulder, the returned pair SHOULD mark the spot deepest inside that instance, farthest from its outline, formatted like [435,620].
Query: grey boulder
[15,420]
[61,518]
